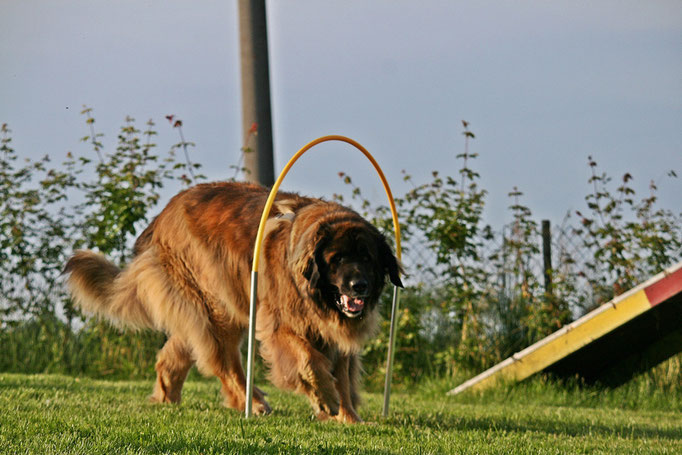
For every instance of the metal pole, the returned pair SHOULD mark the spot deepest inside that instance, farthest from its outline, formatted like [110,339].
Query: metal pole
[391,347]
[252,345]
[253,41]
[547,255]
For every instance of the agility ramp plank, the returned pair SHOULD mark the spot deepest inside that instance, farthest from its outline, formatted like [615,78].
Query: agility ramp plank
[617,330]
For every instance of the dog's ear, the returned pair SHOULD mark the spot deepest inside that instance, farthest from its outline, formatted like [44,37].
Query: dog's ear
[391,264]
[306,254]
[311,271]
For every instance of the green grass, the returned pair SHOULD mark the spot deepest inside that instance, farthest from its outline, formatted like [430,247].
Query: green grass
[59,414]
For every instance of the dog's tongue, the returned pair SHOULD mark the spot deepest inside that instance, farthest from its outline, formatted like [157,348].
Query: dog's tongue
[353,305]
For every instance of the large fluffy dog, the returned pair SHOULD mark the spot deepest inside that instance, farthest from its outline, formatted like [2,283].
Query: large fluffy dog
[322,270]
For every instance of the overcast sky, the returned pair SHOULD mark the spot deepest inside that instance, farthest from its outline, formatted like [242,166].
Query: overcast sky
[543,85]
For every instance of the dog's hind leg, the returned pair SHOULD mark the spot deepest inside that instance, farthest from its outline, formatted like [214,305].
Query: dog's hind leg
[172,365]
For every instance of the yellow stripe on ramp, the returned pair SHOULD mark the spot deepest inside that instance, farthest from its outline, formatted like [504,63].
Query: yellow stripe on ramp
[563,342]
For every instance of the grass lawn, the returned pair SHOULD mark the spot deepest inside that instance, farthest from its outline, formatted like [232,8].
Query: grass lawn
[45,414]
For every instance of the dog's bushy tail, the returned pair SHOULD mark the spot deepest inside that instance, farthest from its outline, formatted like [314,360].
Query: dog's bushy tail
[100,288]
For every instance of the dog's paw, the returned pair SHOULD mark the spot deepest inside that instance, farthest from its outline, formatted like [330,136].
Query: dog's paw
[160,397]
[261,407]
[153,398]
[326,404]
[343,416]
[323,416]
[347,416]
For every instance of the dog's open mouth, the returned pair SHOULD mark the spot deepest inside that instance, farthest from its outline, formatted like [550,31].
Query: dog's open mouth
[350,306]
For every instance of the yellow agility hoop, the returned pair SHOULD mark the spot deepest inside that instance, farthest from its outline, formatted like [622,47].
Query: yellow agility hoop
[285,171]
[256,261]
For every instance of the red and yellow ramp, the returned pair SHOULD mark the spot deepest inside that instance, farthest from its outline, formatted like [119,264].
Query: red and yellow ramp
[634,330]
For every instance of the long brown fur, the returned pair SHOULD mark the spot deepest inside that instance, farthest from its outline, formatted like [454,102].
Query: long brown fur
[190,278]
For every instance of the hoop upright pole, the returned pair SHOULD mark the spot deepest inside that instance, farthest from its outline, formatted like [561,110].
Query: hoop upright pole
[391,347]
[251,347]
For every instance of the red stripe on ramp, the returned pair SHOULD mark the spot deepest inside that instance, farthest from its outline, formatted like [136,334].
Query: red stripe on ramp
[665,288]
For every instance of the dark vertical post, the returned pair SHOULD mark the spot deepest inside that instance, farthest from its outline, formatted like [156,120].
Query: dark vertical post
[547,255]
[253,42]
[504,262]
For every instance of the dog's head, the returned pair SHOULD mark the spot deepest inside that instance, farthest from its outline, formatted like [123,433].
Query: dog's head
[344,261]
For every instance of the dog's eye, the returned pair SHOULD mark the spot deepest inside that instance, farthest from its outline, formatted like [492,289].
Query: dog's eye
[336,259]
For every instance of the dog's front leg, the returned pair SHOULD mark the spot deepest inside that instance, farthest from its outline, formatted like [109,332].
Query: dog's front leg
[346,372]
[297,365]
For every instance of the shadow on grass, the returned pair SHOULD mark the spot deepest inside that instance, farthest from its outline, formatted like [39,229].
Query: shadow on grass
[51,383]
[547,425]
[237,447]
[259,436]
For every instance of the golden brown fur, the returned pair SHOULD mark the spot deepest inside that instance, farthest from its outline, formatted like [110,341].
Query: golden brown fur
[322,270]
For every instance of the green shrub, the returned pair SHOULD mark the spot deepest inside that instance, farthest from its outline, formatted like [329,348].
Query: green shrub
[475,294]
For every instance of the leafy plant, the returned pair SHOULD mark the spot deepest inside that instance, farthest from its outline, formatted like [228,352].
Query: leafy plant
[40,227]
[184,145]
[628,240]
[33,238]
[125,187]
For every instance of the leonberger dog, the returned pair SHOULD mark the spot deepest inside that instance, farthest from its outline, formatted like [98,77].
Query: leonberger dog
[322,270]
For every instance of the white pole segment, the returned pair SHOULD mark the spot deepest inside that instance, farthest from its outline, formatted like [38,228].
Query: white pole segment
[252,345]
[391,346]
